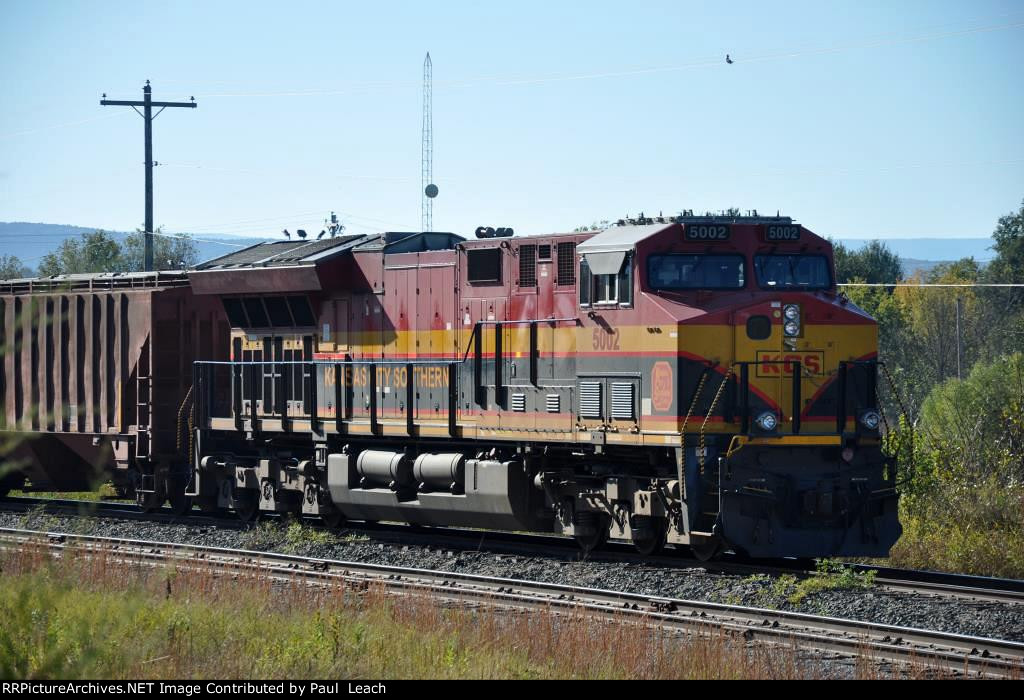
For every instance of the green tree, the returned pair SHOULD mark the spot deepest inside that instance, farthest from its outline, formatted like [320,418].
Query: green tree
[596,226]
[874,263]
[11,267]
[92,252]
[169,252]
[977,424]
[1007,304]
[101,252]
[1008,265]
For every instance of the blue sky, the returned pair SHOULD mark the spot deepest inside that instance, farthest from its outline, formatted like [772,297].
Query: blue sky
[860,119]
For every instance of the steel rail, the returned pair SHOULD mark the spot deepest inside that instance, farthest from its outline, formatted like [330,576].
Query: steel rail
[932,583]
[935,650]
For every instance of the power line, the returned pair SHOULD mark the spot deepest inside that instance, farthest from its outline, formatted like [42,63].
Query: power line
[697,63]
[25,132]
[251,171]
[927,284]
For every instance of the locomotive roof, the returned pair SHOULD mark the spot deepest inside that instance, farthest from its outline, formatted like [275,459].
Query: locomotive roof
[276,253]
[292,253]
[619,238]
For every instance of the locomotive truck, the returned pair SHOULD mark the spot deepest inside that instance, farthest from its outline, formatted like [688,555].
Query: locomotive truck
[695,381]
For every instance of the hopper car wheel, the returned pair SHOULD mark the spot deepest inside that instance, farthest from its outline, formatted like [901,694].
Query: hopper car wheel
[649,541]
[207,504]
[176,485]
[149,501]
[10,481]
[595,540]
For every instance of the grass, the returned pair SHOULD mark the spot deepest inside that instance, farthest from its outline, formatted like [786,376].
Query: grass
[995,548]
[88,617]
[291,536]
[975,528]
[830,575]
[103,492]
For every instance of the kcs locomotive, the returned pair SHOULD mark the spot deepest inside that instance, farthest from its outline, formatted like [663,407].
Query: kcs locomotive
[693,380]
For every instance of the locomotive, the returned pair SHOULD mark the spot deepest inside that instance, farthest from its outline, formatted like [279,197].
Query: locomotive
[695,381]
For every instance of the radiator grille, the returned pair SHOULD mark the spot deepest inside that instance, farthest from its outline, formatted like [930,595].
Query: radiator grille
[519,402]
[527,266]
[566,264]
[553,403]
[622,401]
[590,400]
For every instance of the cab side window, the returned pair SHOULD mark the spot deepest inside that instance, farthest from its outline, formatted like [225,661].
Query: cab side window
[606,289]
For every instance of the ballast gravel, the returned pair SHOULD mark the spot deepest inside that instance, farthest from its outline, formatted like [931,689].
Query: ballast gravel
[391,547]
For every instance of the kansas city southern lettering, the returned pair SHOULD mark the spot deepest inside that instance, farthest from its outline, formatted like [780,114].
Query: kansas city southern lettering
[397,376]
[775,364]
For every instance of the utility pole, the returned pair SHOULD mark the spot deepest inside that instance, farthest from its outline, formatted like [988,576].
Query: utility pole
[147,115]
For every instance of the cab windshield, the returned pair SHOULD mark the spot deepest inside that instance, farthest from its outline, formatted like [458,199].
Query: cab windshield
[679,271]
[792,271]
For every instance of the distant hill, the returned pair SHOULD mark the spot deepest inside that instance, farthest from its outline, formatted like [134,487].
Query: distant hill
[932,249]
[31,241]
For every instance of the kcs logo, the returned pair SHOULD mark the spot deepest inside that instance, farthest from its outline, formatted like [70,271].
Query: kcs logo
[777,364]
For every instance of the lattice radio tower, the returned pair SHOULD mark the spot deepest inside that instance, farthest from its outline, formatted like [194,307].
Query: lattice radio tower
[429,189]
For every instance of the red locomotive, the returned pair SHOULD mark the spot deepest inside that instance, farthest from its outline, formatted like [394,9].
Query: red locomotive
[690,380]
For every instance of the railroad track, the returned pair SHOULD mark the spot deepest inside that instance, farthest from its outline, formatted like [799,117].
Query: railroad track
[939,651]
[931,583]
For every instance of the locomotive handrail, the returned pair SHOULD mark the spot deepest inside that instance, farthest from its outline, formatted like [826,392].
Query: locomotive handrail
[245,373]
[873,399]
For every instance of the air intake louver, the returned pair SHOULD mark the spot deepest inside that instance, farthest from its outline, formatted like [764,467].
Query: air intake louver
[622,401]
[590,400]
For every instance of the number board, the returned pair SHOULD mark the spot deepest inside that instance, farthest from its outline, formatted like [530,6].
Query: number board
[707,232]
[781,232]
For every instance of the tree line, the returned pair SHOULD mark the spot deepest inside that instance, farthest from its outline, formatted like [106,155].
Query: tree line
[956,355]
[100,251]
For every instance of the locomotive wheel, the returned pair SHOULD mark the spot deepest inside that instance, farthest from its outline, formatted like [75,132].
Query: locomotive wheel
[707,548]
[650,540]
[333,518]
[594,540]
[247,507]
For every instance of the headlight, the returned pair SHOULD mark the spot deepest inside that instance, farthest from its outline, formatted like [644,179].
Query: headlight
[791,328]
[870,419]
[767,421]
[791,312]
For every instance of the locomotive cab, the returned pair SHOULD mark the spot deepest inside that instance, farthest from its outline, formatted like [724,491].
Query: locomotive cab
[777,397]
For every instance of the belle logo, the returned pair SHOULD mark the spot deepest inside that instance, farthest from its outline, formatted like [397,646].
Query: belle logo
[661,386]
[777,364]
